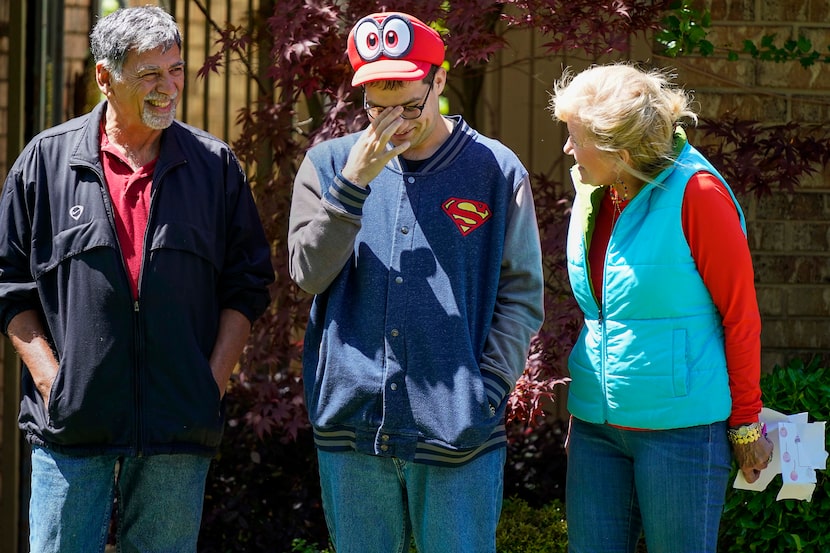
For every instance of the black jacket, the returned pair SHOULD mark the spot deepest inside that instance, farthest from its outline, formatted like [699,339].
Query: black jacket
[134,376]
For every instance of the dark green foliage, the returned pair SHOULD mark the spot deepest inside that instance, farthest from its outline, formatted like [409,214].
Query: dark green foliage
[302,546]
[754,522]
[525,529]
[684,31]
[800,49]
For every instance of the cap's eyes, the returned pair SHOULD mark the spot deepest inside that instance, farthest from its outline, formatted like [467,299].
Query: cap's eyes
[392,39]
[367,40]
[397,37]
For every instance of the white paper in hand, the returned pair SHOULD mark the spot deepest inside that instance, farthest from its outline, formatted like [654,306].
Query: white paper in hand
[799,452]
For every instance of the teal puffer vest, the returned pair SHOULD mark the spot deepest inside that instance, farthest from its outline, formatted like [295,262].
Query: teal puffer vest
[651,353]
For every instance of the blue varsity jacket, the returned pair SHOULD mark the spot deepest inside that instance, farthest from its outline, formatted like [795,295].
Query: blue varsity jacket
[428,289]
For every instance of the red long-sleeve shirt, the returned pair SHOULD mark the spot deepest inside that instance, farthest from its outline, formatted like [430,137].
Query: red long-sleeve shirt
[721,253]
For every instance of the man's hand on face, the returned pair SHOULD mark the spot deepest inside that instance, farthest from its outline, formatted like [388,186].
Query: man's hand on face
[369,154]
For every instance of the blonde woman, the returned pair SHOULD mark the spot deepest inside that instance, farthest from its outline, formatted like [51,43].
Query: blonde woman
[666,369]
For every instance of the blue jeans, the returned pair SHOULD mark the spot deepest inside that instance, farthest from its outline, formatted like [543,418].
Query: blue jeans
[668,483]
[376,504]
[160,501]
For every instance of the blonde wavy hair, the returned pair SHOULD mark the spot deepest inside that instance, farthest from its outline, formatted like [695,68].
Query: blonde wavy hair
[624,108]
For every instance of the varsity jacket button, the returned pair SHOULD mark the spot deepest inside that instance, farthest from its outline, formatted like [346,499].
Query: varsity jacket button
[393,386]
[394,333]
[405,230]
[398,280]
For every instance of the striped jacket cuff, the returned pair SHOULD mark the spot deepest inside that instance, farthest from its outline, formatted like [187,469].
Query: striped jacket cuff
[496,387]
[345,196]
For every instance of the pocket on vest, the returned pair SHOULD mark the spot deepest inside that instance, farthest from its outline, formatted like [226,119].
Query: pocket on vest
[680,368]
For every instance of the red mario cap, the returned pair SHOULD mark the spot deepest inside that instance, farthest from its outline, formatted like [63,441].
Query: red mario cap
[393,46]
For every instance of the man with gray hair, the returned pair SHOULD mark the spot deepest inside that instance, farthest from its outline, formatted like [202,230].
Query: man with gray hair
[132,265]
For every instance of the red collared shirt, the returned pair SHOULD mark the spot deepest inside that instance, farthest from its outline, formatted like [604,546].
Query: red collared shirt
[130,192]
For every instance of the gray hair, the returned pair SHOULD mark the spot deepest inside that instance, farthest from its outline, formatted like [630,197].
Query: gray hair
[141,29]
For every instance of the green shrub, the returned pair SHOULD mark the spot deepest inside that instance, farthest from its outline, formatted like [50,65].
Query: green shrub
[754,522]
[524,529]
[300,545]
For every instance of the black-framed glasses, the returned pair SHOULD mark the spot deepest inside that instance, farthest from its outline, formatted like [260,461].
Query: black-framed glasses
[409,112]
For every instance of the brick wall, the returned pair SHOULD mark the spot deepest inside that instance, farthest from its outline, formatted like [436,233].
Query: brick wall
[789,233]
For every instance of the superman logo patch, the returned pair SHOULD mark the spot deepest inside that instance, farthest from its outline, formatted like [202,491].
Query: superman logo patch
[467,215]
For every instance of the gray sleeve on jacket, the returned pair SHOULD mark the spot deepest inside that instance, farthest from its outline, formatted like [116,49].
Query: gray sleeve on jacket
[519,309]
[322,227]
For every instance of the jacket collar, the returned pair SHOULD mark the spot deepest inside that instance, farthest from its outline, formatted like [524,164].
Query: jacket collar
[86,150]
[448,151]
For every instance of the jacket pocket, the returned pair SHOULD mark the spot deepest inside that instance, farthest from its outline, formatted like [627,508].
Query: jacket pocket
[69,243]
[201,242]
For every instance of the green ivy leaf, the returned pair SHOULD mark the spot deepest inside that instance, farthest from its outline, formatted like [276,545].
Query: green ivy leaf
[684,30]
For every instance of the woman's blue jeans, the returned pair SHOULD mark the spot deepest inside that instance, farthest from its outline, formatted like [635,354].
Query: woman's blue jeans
[160,500]
[668,483]
[376,504]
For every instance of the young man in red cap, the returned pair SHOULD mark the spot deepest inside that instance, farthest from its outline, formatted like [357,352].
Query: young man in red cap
[418,238]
